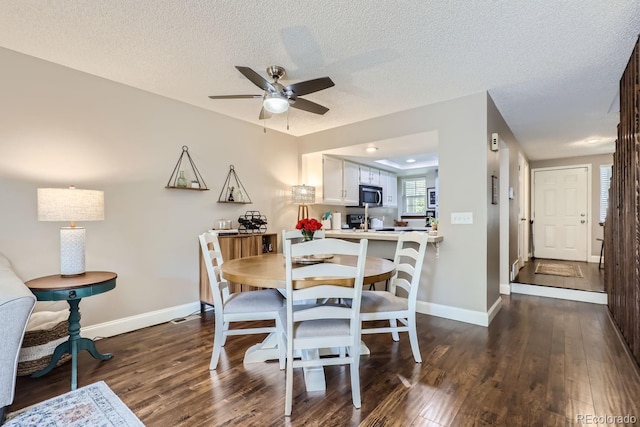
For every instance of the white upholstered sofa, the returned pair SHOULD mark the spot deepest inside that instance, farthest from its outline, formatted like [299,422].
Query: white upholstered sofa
[16,305]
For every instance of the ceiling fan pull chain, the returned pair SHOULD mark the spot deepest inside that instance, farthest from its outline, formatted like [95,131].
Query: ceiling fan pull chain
[287,119]
[264,126]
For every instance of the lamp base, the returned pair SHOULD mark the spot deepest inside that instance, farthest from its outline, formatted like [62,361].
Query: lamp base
[72,251]
[303,212]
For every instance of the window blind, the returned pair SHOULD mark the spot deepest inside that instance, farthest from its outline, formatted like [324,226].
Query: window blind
[414,193]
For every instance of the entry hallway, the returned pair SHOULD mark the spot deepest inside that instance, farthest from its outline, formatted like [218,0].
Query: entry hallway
[542,362]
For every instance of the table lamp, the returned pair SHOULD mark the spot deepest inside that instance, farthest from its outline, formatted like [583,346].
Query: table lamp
[71,204]
[302,195]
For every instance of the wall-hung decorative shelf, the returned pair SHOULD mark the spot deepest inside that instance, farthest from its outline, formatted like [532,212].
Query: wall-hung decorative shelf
[232,190]
[180,181]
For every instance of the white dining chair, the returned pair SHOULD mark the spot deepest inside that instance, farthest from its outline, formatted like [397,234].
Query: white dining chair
[235,307]
[308,326]
[296,237]
[388,305]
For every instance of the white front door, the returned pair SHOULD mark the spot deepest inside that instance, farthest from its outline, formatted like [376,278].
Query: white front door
[561,218]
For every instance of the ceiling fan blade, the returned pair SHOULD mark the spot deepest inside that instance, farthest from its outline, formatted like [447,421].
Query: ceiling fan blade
[312,107]
[234,96]
[310,86]
[256,79]
[264,114]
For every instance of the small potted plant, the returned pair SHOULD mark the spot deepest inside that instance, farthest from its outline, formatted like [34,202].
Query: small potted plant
[308,226]
[434,226]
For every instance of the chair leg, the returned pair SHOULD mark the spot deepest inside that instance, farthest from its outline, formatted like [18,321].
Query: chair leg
[394,324]
[218,342]
[225,328]
[413,338]
[355,382]
[282,346]
[288,395]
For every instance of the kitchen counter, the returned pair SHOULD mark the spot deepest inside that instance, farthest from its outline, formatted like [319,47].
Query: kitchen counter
[378,235]
[374,234]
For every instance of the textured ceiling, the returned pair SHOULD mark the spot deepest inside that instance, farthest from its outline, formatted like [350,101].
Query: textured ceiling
[552,67]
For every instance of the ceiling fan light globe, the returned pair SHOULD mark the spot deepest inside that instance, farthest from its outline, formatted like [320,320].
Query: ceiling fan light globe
[275,103]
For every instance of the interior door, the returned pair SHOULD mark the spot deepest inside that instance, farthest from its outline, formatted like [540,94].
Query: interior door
[561,218]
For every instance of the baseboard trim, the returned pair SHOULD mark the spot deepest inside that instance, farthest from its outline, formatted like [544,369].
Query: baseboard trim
[495,308]
[505,288]
[460,314]
[624,345]
[139,321]
[560,293]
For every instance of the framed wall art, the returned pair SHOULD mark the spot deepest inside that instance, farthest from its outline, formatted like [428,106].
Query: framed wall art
[432,198]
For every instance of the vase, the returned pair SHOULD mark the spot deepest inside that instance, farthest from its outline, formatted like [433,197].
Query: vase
[307,235]
[182,181]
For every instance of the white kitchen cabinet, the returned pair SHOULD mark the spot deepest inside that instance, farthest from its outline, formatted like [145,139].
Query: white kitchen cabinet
[369,175]
[332,180]
[389,184]
[350,184]
[339,182]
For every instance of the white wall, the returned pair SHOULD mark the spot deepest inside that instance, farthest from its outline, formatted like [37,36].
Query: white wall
[497,124]
[458,278]
[61,127]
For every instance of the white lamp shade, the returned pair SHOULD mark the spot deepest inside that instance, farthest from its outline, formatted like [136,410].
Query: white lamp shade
[70,204]
[303,194]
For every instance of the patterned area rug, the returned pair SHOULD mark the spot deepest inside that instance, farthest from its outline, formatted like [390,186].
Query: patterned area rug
[565,270]
[92,405]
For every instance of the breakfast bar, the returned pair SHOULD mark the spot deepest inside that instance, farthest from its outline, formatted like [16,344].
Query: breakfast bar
[377,240]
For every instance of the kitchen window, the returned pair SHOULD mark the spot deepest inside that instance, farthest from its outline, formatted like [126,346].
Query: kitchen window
[414,196]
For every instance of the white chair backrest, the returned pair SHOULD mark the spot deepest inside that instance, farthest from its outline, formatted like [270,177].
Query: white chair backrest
[408,261]
[212,255]
[323,289]
[296,237]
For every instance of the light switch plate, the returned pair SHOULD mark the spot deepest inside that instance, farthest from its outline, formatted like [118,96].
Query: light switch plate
[462,218]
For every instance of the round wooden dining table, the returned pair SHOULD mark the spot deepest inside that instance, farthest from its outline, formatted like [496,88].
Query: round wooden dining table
[267,271]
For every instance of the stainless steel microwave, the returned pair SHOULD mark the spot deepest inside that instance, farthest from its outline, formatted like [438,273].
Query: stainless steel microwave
[371,195]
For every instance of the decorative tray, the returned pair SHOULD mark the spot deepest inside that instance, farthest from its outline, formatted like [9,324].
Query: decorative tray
[311,259]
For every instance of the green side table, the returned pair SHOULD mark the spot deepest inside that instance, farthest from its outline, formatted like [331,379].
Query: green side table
[72,289]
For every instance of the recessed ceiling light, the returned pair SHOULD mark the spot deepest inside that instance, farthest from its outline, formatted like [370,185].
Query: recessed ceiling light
[592,140]
[371,149]
[411,160]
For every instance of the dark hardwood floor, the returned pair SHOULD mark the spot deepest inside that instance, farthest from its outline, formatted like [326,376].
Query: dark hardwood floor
[593,279]
[531,367]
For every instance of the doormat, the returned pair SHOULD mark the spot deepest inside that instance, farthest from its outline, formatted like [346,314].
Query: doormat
[92,405]
[565,270]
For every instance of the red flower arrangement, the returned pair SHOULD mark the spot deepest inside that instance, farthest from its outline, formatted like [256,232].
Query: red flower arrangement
[308,226]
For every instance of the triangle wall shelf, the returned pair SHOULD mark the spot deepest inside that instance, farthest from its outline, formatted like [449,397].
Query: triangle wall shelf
[178,180]
[232,190]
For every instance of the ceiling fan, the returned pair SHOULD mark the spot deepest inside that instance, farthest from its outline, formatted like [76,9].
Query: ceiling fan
[277,98]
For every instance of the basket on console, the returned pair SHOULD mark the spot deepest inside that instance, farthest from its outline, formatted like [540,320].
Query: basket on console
[38,346]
